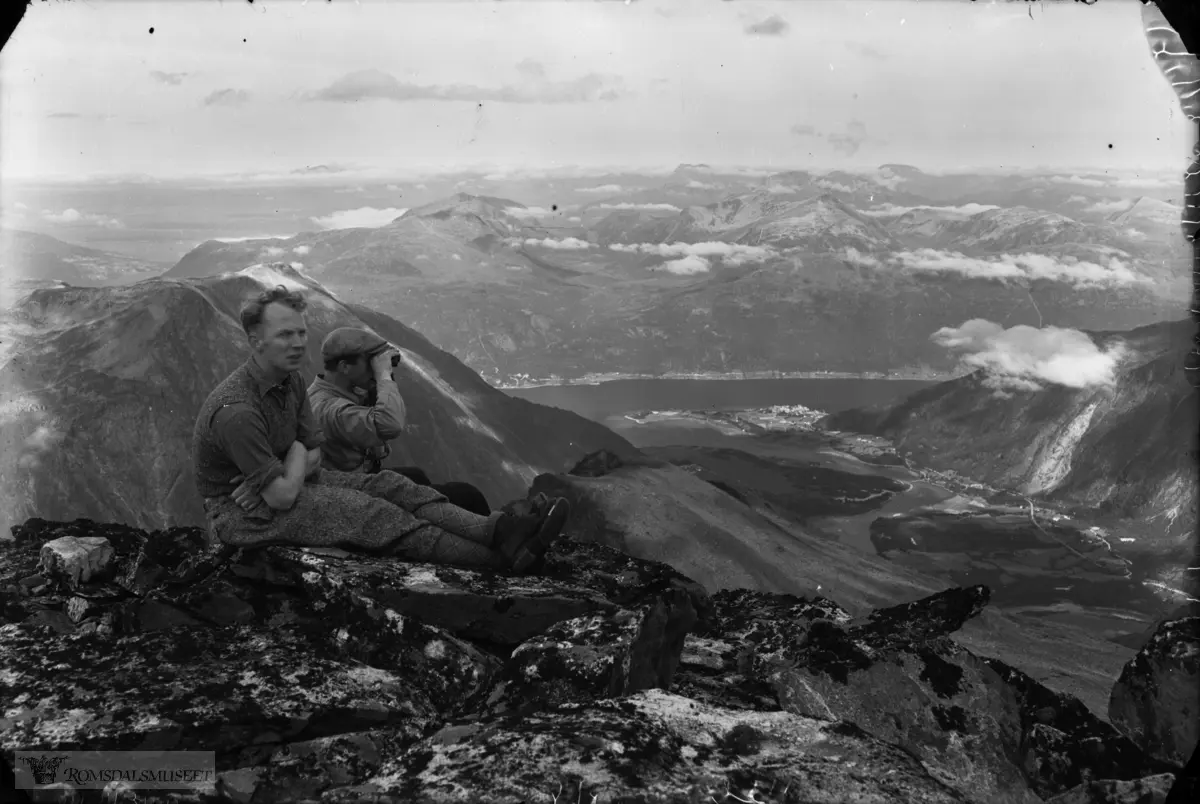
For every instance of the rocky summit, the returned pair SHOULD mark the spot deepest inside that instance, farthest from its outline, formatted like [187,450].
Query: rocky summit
[322,675]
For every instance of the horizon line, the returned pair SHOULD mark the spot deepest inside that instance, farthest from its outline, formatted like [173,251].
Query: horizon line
[313,174]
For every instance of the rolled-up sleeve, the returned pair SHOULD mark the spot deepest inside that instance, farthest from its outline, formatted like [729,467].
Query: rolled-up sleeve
[387,417]
[241,432]
[308,428]
[352,424]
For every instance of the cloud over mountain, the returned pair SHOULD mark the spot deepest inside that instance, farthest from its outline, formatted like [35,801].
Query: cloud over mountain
[570,243]
[1019,266]
[73,217]
[361,218]
[628,205]
[687,266]
[1025,358]
[534,87]
[858,258]
[1115,205]
[606,189]
[1073,179]
[695,258]
[226,97]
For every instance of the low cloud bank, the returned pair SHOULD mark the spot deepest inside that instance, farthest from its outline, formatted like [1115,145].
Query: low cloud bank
[1116,205]
[1020,266]
[361,218]
[858,258]
[606,189]
[569,243]
[696,258]
[825,184]
[73,217]
[251,237]
[1027,358]
[626,205]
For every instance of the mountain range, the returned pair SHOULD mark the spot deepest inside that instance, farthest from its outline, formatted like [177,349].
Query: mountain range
[32,256]
[659,279]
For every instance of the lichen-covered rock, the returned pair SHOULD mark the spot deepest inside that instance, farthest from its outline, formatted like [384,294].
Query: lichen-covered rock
[601,656]
[239,692]
[304,770]
[1150,790]
[74,561]
[1063,744]
[578,580]
[650,747]
[894,673]
[1156,701]
[325,674]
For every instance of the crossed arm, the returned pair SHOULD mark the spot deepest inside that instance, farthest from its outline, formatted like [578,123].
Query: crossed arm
[263,477]
[301,466]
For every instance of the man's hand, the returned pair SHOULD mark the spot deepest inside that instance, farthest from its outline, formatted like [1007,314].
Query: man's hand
[381,364]
[243,496]
[313,466]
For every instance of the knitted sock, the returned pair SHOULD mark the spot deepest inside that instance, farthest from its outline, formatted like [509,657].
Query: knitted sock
[478,529]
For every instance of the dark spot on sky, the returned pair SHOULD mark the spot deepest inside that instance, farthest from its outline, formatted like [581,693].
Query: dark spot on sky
[554,207]
[151,30]
[1110,144]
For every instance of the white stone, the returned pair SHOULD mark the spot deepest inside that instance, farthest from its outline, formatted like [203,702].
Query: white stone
[77,560]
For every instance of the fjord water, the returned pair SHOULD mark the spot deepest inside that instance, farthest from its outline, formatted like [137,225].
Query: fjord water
[617,397]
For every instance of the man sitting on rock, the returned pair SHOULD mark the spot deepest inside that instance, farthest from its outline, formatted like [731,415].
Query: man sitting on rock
[359,408]
[257,429]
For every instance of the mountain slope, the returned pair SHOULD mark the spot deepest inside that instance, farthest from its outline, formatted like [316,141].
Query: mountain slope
[1125,451]
[100,394]
[35,256]
[790,276]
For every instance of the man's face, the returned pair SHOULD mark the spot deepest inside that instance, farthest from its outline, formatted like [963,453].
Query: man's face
[359,372]
[282,339]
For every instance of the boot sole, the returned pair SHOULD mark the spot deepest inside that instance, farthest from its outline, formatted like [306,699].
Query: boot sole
[537,545]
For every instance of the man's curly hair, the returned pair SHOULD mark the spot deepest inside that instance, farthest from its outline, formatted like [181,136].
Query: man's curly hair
[253,310]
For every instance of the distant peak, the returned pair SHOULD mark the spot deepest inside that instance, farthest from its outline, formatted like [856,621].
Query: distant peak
[464,203]
[275,273]
[901,170]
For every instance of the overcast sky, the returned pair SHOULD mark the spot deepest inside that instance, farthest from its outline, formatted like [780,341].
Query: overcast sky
[86,89]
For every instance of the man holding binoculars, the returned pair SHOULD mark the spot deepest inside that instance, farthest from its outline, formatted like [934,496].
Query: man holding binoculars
[359,406]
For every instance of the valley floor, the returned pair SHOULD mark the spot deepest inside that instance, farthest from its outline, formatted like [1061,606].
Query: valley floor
[1060,585]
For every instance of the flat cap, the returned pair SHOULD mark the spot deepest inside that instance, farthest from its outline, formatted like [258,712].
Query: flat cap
[351,342]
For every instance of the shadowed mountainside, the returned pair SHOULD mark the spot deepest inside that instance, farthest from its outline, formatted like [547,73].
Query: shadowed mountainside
[1122,451]
[102,385]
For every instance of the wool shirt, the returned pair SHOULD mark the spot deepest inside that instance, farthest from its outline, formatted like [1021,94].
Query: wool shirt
[246,427]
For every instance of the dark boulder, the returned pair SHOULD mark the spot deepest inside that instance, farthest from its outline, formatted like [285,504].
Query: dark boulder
[1156,701]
